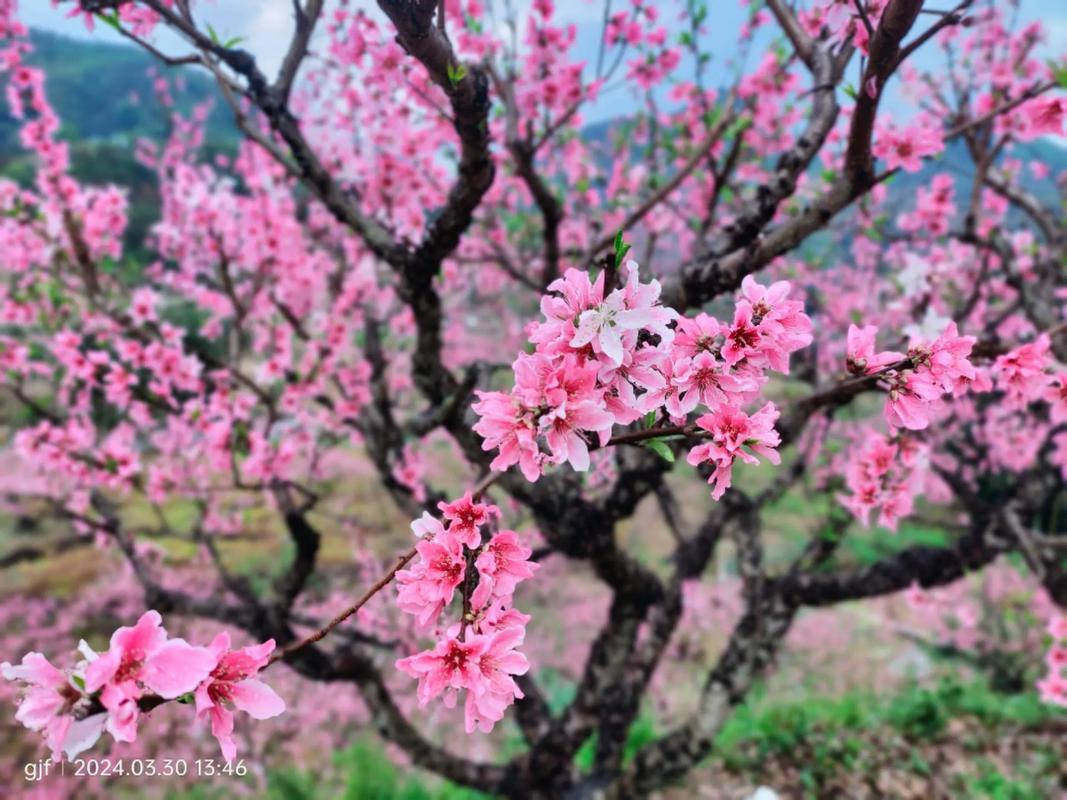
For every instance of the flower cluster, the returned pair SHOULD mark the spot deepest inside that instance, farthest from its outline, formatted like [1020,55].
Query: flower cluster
[731,431]
[141,668]
[906,148]
[884,474]
[601,361]
[919,380]
[1053,687]
[1021,375]
[479,653]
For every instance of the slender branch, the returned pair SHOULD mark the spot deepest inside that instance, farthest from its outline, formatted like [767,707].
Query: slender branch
[318,635]
[657,197]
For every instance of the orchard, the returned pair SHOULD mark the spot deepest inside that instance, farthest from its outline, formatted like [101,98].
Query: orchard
[581,374]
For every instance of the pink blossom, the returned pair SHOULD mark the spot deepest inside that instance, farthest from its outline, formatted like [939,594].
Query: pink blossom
[466,517]
[568,393]
[742,337]
[913,400]
[704,380]
[696,334]
[495,688]
[1057,627]
[1021,375]
[48,705]
[622,313]
[502,564]
[884,475]
[905,149]
[939,367]
[232,682]
[767,327]
[564,427]
[917,597]
[430,584]
[1043,115]
[427,526]
[143,306]
[508,426]
[142,658]
[731,432]
[861,356]
[1056,658]
[947,359]
[1053,690]
[571,296]
[451,664]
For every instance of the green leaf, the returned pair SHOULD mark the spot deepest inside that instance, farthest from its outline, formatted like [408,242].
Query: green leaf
[621,249]
[55,293]
[850,90]
[229,44]
[659,447]
[737,127]
[650,419]
[214,36]
[78,681]
[1059,73]
[111,20]
[186,698]
[456,73]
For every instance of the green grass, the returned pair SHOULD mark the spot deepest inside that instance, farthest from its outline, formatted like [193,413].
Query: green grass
[825,738]
[866,547]
[642,732]
[916,713]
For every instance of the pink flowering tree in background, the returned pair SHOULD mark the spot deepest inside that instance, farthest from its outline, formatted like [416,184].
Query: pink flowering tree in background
[415,252]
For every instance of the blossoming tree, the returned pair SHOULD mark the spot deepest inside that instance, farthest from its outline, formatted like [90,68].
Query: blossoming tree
[413,205]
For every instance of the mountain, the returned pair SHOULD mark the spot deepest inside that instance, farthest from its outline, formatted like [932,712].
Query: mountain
[104,93]
[105,98]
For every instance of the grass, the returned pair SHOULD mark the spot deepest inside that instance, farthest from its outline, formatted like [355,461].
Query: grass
[879,543]
[822,740]
[916,713]
[642,732]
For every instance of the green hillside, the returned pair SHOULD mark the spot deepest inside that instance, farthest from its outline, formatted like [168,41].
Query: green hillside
[104,92]
[105,98]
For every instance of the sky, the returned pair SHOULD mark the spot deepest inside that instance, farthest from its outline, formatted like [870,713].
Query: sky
[266,25]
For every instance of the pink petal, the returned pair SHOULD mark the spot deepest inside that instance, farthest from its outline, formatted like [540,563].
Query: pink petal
[256,699]
[38,708]
[177,668]
[102,670]
[83,734]
[222,728]
[36,669]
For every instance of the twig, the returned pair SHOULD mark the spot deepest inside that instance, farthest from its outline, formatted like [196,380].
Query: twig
[382,582]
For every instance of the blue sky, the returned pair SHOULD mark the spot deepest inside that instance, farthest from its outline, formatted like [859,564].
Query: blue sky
[266,26]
